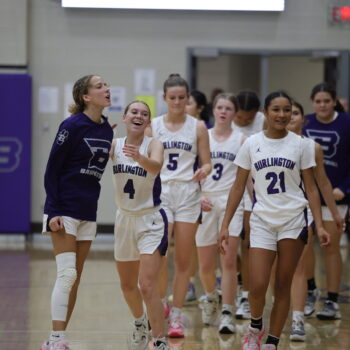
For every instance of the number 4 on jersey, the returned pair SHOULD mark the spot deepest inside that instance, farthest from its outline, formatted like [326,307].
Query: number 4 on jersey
[129,188]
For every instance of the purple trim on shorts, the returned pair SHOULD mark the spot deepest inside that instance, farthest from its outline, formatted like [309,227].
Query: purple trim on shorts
[196,164]
[304,232]
[163,246]
[157,190]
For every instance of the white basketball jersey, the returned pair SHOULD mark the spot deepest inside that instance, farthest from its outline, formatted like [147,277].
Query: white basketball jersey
[180,149]
[253,128]
[224,170]
[275,166]
[136,190]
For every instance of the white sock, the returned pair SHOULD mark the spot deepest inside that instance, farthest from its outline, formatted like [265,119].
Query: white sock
[192,279]
[298,315]
[141,320]
[175,312]
[227,307]
[212,295]
[245,294]
[57,335]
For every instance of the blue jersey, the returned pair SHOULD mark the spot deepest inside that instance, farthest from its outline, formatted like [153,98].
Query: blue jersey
[334,138]
[76,163]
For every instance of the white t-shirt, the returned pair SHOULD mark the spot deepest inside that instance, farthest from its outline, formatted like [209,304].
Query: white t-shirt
[275,166]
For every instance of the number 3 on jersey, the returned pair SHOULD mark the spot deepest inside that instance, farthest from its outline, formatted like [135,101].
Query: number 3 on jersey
[273,187]
[129,188]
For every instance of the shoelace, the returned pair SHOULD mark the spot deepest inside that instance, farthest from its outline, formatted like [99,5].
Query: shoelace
[253,339]
[298,325]
[139,333]
[176,322]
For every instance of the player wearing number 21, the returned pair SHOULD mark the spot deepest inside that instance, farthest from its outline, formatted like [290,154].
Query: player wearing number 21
[279,161]
[140,225]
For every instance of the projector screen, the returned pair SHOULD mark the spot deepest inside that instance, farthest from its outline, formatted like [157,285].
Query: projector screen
[216,5]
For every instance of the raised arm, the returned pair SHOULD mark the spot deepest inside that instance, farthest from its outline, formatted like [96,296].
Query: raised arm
[154,162]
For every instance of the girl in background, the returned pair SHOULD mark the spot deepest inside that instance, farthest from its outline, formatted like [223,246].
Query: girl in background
[224,145]
[330,127]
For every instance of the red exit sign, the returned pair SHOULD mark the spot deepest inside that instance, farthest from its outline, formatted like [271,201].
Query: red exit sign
[341,14]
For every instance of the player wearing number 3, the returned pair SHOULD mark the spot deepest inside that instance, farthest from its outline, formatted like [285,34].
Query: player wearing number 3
[140,225]
[184,138]
[279,161]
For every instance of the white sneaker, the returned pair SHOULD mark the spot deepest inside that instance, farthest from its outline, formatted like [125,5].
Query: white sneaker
[160,345]
[310,304]
[209,310]
[140,336]
[243,310]
[226,323]
[57,345]
[330,311]
[298,331]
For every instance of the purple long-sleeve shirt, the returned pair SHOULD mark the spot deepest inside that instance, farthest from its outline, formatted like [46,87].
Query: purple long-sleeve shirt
[76,163]
[334,138]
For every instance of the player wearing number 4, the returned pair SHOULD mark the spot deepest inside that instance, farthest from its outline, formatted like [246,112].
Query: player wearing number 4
[278,161]
[224,145]
[140,225]
[184,138]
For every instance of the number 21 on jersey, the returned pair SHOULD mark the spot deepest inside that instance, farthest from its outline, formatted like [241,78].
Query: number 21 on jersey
[273,186]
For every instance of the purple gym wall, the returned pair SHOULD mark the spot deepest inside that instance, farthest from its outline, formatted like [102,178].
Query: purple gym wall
[15,153]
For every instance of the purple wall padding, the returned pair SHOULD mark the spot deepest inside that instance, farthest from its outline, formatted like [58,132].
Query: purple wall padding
[15,153]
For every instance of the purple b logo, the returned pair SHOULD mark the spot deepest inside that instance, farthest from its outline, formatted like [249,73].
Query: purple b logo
[10,151]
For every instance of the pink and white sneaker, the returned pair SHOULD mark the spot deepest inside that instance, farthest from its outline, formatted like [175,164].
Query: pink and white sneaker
[252,338]
[176,328]
[58,345]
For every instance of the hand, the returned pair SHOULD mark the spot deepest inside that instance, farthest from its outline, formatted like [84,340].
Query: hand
[56,224]
[324,237]
[206,204]
[338,194]
[132,151]
[199,175]
[223,240]
[339,221]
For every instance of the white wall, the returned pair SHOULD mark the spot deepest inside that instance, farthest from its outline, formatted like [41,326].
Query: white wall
[65,44]
[13,32]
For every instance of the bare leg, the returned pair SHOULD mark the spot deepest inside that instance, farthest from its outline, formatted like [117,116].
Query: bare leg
[289,252]
[149,270]
[184,234]
[129,275]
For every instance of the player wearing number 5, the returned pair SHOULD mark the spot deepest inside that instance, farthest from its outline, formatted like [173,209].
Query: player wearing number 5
[278,161]
[141,224]
[184,138]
